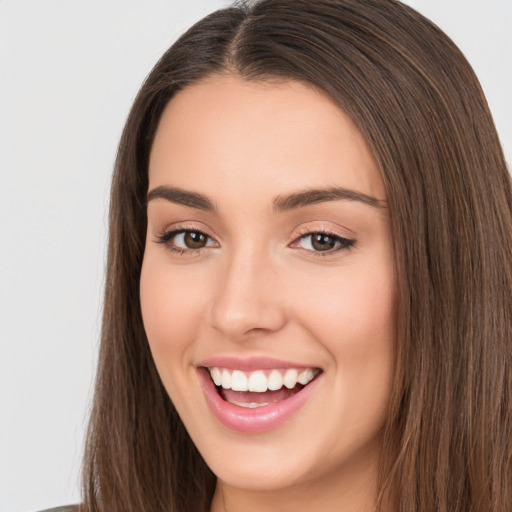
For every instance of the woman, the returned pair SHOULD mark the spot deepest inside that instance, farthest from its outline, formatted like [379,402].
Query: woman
[309,287]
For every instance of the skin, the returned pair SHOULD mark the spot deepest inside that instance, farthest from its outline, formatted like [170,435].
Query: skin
[259,287]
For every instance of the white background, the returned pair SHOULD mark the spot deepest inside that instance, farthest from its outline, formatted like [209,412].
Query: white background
[69,71]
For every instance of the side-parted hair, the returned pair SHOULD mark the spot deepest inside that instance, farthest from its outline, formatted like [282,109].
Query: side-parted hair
[448,437]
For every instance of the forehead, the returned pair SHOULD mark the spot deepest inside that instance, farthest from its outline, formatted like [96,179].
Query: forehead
[230,133]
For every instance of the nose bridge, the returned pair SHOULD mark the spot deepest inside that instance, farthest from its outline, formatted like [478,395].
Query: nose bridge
[247,300]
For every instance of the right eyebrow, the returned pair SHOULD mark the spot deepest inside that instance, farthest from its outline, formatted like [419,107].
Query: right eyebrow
[183,197]
[313,196]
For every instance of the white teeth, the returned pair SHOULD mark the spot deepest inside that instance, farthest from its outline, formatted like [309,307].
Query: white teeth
[216,376]
[305,377]
[290,379]
[238,381]
[258,381]
[251,405]
[226,379]
[275,381]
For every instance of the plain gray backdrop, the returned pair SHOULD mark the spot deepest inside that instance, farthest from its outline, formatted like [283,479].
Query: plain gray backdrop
[69,71]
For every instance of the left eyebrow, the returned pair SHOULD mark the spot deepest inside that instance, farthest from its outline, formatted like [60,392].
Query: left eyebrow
[313,196]
[180,196]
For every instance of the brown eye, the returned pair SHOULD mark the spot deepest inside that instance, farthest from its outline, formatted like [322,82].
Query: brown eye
[194,239]
[322,242]
[183,240]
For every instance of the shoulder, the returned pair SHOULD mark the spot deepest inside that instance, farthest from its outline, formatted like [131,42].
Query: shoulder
[68,508]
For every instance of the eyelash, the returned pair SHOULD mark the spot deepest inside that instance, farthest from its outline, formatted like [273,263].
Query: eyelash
[166,237]
[345,244]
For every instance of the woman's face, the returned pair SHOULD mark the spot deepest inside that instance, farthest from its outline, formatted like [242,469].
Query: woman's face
[268,263]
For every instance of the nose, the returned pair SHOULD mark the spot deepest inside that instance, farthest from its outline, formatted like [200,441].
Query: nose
[248,302]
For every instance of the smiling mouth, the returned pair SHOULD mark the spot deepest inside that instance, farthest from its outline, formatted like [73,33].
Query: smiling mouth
[262,387]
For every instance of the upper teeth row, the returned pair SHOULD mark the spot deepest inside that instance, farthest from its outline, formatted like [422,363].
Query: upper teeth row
[259,382]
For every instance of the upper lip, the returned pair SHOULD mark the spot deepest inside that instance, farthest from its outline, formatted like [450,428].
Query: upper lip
[250,363]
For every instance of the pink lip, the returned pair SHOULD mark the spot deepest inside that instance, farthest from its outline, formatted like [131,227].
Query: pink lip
[249,364]
[252,421]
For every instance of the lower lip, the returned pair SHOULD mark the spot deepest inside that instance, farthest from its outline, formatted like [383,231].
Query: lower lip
[259,419]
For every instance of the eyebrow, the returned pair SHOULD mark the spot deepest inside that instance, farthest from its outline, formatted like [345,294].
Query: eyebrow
[280,204]
[313,196]
[180,196]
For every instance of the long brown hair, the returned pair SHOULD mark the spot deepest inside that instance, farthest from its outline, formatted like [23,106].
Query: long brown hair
[448,442]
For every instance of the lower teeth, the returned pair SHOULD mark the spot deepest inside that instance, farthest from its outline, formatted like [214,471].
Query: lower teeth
[251,405]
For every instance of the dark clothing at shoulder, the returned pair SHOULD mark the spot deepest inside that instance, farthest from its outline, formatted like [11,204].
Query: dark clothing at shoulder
[69,508]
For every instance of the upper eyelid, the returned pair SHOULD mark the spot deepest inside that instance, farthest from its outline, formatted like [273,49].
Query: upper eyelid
[298,234]
[178,227]
[308,230]
[170,233]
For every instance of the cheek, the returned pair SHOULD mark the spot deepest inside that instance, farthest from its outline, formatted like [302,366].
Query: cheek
[351,304]
[354,318]
[359,332]
[171,307]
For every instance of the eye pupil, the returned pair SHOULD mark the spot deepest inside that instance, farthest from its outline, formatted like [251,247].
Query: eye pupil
[322,242]
[194,239]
